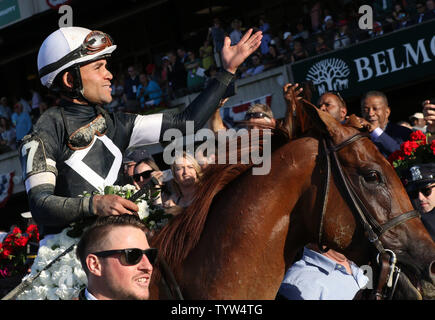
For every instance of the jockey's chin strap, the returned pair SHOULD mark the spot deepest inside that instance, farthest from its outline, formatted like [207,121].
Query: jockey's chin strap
[389,273]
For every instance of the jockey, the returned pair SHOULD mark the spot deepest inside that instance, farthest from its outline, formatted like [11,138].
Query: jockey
[78,145]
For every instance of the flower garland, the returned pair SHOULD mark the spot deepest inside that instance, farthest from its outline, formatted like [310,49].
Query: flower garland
[65,278]
[415,151]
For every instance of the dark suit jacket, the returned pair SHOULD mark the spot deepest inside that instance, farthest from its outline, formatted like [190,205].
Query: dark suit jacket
[428,220]
[391,139]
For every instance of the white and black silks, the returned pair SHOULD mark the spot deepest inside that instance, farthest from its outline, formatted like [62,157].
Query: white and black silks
[75,148]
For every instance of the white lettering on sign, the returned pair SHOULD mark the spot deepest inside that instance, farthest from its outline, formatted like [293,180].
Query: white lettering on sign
[384,62]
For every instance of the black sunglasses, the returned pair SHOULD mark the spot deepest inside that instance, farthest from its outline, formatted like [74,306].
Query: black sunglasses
[145,175]
[426,191]
[256,115]
[131,256]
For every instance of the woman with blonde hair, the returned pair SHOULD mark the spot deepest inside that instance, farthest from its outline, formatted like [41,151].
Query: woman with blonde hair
[186,174]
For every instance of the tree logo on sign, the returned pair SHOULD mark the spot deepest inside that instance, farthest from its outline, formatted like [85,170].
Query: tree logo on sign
[329,75]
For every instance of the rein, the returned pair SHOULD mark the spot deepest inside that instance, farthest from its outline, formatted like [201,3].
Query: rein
[389,273]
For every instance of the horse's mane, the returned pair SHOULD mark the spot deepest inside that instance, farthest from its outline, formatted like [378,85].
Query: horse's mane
[180,236]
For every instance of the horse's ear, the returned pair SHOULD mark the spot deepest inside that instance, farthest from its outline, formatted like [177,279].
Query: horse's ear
[322,120]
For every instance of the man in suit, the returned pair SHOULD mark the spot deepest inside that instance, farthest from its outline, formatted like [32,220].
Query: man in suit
[387,136]
[117,259]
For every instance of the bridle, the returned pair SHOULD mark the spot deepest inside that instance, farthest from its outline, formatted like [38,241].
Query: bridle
[389,272]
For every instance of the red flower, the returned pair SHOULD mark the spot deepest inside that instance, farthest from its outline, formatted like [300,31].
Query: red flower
[396,155]
[16,230]
[32,231]
[408,147]
[432,146]
[418,136]
[21,241]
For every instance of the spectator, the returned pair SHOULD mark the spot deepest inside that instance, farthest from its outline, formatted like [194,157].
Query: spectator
[329,31]
[429,117]
[217,35]
[383,9]
[386,135]
[195,73]
[117,93]
[148,92]
[322,276]
[145,170]
[164,76]
[130,90]
[404,124]
[265,28]
[5,110]
[321,46]
[341,37]
[301,32]
[299,52]
[397,10]
[273,58]
[236,34]
[131,157]
[24,102]
[403,20]
[421,10]
[430,9]
[177,75]
[420,184]
[289,44]
[182,55]
[418,122]
[36,100]
[186,174]
[23,122]
[117,259]
[7,135]
[151,73]
[206,54]
[378,30]
[334,104]
[260,116]
[315,13]
[257,67]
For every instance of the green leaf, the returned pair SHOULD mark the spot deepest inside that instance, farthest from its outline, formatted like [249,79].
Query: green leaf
[109,190]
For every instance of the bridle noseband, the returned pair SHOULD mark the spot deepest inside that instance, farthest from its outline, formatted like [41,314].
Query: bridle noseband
[389,270]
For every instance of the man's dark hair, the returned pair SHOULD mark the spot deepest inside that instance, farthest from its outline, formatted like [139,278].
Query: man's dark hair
[374,94]
[93,238]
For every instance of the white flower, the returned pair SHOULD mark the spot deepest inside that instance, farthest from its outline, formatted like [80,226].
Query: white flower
[143,210]
[64,279]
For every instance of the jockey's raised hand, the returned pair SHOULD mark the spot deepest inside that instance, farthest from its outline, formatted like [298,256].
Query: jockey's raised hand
[233,56]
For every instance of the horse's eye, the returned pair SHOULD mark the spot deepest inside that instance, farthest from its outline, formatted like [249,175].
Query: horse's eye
[372,177]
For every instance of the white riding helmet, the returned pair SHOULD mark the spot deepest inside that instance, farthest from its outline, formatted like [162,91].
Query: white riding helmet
[68,47]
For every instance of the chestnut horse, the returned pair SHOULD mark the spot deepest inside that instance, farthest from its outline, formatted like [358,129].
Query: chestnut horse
[238,238]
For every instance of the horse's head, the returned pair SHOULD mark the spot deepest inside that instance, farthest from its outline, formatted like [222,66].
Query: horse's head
[376,208]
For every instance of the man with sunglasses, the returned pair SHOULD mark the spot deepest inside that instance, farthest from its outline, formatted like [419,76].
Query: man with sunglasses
[420,184]
[78,146]
[117,259]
